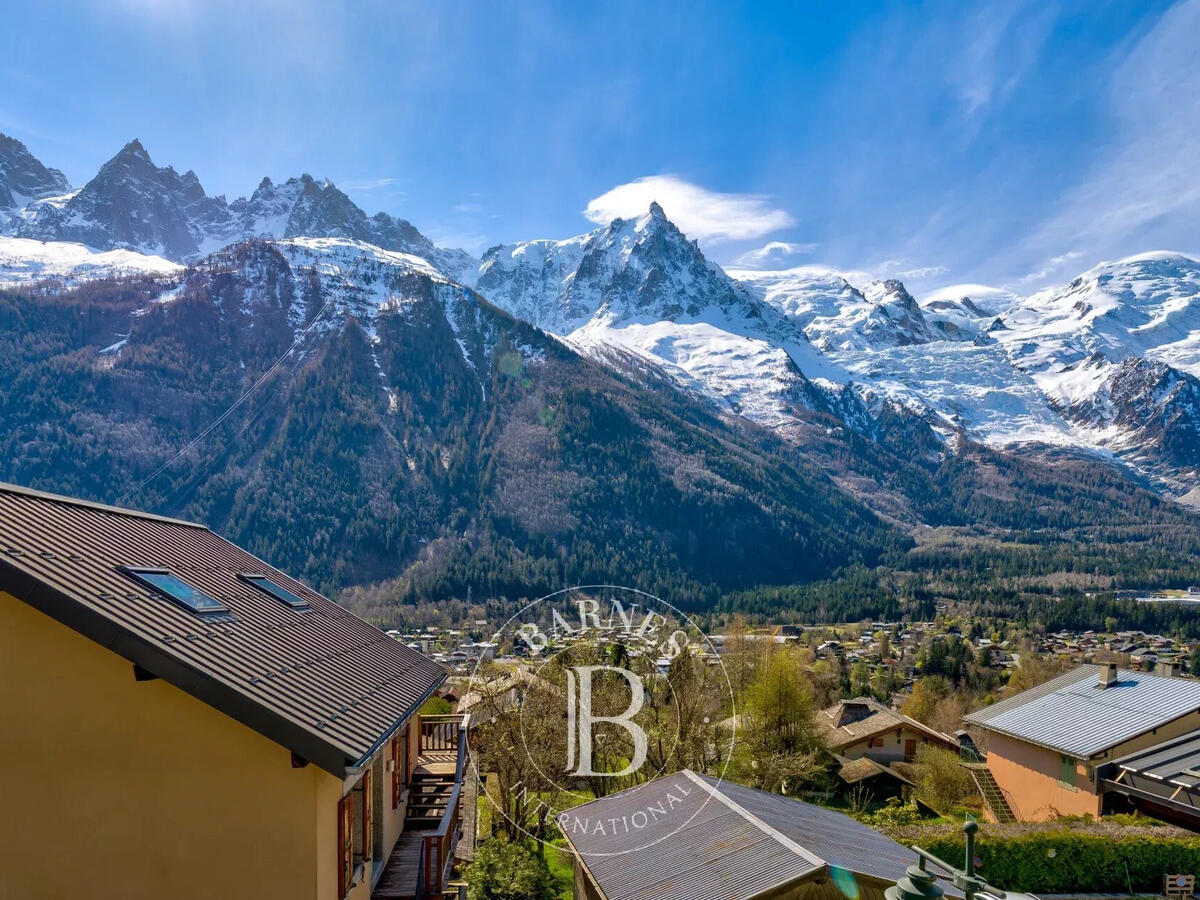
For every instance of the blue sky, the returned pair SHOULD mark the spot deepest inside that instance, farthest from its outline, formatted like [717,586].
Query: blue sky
[1005,143]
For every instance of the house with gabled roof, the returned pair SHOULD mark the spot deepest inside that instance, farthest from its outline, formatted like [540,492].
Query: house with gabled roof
[1049,748]
[863,727]
[183,720]
[695,837]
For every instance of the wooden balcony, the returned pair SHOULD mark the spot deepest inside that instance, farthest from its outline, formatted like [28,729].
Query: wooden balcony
[420,865]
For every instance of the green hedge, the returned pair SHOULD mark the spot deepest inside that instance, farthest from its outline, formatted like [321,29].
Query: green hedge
[1061,862]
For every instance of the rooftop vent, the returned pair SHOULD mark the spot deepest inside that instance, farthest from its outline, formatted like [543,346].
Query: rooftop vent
[852,711]
[1108,675]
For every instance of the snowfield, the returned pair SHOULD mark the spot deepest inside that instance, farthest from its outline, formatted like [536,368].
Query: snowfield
[1109,362]
[23,260]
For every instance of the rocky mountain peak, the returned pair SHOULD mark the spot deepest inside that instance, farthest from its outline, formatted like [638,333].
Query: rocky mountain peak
[134,150]
[23,177]
[132,204]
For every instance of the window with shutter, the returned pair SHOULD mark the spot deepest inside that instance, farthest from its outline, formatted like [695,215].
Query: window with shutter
[397,776]
[1066,771]
[345,847]
[367,816]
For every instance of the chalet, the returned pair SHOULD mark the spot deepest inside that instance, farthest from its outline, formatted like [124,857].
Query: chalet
[863,727]
[1051,748]
[183,720]
[686,836]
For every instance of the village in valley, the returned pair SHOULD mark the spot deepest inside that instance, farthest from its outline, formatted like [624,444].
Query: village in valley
[913,728]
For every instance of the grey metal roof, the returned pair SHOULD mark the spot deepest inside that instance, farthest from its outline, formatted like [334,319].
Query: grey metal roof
[719,841]
[322,683]
[1074,715]
[836,838]
[1175,762]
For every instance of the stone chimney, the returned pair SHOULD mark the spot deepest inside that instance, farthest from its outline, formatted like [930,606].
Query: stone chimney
[1167,668]
[1108,675]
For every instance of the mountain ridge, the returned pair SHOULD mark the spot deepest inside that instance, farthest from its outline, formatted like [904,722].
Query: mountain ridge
[780,349]
[133,204]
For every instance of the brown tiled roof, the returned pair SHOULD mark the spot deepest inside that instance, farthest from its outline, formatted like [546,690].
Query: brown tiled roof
[853,771]
[322,682]
[880,720]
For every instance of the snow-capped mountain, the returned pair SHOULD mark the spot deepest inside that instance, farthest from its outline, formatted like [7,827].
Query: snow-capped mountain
[1146,408]
[1107,363]
[133,204]
[23,260]
[638,288]
[641,269]
[1066,367]
[23,178]
[1085,365]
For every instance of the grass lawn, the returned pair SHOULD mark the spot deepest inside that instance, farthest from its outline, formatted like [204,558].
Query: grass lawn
[559,859]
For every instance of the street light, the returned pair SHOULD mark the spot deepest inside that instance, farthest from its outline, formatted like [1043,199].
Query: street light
[919,883]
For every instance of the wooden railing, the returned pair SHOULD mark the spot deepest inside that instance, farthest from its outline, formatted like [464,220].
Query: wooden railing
[443,734]
[438,852]
[440,733]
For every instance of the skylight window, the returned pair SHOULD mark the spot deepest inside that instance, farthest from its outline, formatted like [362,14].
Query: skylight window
[174,588]
[267,586]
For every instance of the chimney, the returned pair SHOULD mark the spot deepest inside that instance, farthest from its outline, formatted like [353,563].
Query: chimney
[1108,675]
[1167,669]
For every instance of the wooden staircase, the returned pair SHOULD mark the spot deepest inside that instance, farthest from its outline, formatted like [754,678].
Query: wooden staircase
[428,800]
[423,863]
[993,795]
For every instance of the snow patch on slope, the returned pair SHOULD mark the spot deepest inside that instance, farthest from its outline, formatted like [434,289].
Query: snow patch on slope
[23,260]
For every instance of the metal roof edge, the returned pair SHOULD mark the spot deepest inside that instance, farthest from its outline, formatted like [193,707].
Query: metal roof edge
[222,697]
[579,858]
[399,723]
[9,488]
[754,820]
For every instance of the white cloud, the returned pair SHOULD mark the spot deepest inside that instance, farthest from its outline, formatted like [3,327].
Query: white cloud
[1142,191]
[369,184]
[904,268]
[770,253]
[1050,266]
[700,213]
[923,272]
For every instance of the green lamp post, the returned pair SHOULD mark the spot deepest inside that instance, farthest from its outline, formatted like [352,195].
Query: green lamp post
[919,883]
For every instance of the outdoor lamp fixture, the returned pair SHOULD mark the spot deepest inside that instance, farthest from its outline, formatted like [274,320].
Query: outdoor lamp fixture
[919,883]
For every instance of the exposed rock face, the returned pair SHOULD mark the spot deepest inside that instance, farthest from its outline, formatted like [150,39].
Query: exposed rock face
[23,178]
[1148,408]
[132,204]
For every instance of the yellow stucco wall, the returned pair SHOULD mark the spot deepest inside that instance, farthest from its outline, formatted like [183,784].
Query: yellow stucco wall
[114,788]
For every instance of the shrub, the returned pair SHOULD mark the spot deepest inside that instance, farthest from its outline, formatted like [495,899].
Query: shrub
[942,782]
[1065,861]
[893,815]
[504,870]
